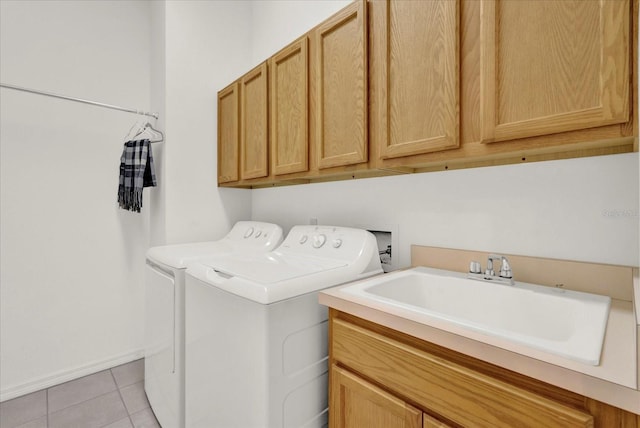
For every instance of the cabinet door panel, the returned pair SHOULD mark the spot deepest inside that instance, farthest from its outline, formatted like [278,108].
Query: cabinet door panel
[290,109]
[342,88]
[553,66]
[228,133]
[357,403]
[455,392]
[421,69]
[429,422]
[253,114]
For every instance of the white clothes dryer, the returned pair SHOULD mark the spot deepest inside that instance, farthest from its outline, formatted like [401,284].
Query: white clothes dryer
[256,337]
[164,315]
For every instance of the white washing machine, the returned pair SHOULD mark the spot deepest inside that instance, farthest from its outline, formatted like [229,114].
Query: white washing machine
[164,315]
[256,337]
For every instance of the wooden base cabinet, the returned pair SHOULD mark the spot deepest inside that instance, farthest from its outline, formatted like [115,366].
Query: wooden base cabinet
[383,378]
[359,403]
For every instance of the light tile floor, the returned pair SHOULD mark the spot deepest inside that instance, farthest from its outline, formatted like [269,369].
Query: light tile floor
[113,398]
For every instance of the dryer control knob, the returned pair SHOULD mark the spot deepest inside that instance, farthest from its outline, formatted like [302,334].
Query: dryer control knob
[258,233]
[319,240]
[337,243]
[303,239]
[249,232]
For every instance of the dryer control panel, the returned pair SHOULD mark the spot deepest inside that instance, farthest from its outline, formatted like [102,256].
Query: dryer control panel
[255,235]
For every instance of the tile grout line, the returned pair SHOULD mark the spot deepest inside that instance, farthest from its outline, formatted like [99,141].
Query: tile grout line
[121,398]
[90,399]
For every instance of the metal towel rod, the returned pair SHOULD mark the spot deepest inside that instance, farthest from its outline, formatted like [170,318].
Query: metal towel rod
[79,100]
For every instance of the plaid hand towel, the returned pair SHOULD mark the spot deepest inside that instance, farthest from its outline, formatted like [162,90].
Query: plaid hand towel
[136,172]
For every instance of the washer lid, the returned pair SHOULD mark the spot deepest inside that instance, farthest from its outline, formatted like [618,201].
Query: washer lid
[270,268]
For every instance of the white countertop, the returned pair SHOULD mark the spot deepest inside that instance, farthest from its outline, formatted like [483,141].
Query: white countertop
[614,381]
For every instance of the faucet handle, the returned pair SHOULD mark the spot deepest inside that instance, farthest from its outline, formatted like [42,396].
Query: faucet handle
[475,267]
[505,269]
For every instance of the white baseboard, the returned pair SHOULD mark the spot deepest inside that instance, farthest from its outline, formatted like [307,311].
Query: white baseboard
[67,375]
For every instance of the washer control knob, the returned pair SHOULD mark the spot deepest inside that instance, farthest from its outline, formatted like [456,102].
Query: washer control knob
[337,243]
[319,240]
[258,233]
[303,239]
[249,232]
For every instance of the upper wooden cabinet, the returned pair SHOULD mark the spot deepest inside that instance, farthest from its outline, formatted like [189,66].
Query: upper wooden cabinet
[396,86]
[290,109]
[553,66]
[415,75]
[228,133]
[342,90]
[254,138]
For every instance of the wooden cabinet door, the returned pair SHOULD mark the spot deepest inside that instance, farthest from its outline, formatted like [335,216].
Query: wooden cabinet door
[254,137]
[290,109]
[431,422]
[417,73]
[457,393]
[341,70]
[356,403]
[553,66]
[228,133]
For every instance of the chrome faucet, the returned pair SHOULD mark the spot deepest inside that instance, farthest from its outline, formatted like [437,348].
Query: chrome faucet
[505,275]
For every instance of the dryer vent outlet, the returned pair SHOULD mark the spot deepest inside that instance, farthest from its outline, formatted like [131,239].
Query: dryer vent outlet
[384,249]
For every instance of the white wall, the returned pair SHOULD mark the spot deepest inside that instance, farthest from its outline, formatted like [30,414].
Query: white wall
[158,78]
[207,46]
[276,23]
[580,209]
[71,262]
[72,296]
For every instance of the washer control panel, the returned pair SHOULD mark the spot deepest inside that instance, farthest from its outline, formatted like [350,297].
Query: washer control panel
[319,240]
[326,241]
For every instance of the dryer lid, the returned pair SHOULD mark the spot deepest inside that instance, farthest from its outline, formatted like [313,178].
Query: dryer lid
[180,255]
[246,236]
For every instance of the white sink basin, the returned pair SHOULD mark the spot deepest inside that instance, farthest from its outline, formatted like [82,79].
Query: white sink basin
[563,322]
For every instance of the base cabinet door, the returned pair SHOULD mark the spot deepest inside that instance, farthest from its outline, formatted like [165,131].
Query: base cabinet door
[355,403]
